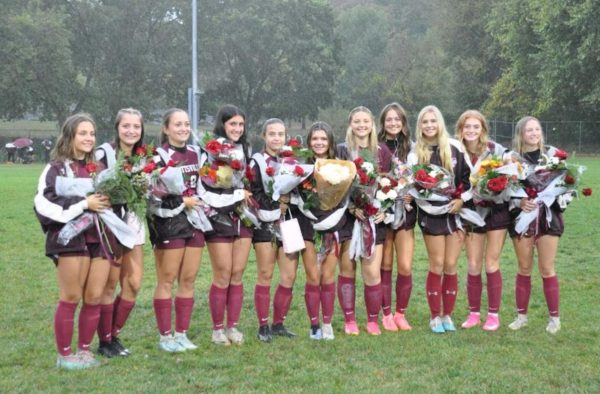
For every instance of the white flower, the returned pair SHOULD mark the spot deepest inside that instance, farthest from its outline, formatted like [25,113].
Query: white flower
[380,195]
[444,185]
[334,173]
[286,148]
[392,195]
[554,160]
[368,167]
[384,182]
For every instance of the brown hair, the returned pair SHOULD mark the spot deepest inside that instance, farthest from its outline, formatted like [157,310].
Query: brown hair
[64,150]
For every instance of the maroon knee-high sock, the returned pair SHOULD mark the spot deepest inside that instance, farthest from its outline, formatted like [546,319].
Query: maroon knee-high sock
[373,301]
[105,323]
[281,303]
[262,303]
[122,308]
[433,287]
[235,300]
[63,326]
[386,292]
[449,291]
[183,313]
[522,293]
[346,296]
[88,323]
[552,294]
[327,301]
[494,291]
[312,298]
[403,290]
[217,299]
[474,289]
[162,312]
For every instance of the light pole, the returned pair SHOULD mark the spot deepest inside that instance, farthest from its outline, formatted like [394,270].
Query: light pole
[193,95]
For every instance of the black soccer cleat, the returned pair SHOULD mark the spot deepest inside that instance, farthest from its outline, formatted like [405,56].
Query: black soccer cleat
[281,331]
[264,334]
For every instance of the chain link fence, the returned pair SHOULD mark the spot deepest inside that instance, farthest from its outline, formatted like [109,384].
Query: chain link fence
[572,136]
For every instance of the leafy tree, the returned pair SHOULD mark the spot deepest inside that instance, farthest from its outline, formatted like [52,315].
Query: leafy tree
[272,58]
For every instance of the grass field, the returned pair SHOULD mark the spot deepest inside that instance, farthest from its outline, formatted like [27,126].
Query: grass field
[467,361]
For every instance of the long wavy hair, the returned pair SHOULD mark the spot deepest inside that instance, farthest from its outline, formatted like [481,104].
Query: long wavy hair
[128,111]
[423,147]
[483,137]
[64,149]
[322,126]
[225,113]
[351,140]
[520,132]
[403,137]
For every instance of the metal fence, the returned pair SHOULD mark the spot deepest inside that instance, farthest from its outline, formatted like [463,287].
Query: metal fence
[572,136]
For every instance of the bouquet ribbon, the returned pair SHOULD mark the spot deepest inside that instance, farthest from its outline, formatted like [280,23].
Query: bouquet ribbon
[362,244]
[81,187]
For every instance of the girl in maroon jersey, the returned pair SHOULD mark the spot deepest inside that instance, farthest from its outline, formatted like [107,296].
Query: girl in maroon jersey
[395,133]
[442,234]
[267,254]
[362,135]
[230,240]
[319,291]
[472,131]
[129,137]
[544,235]
[82,266]
[177,244]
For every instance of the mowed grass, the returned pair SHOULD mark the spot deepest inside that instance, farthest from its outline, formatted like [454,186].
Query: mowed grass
[466,361]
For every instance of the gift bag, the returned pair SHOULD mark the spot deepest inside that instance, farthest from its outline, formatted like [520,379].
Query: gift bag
[291,236]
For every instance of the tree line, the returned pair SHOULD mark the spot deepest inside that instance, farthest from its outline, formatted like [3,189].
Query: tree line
[301,59]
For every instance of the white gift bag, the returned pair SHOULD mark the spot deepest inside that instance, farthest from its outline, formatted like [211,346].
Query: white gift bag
[291,236]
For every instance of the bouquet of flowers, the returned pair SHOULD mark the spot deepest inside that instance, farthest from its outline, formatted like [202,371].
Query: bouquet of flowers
[403,177]
[553,179]
[433,182]
[434,185]
[69,186]
[290,172]
[495,181]
[225,166]
[128,182]
[362,243]
[332,180]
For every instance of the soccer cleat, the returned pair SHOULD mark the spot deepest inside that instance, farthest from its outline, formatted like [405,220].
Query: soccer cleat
[436,325]
[264,334]
[373,328]
[474,319]
[183,341]
[492,323]
[70,362]
[107,350]
[401,322]
[388,323]
[448,324]
[327,332]
[219,338]
[553,325]
[234,336]
[88,358]
[315,333]
[520,322]
[169,344]
[280,330]
[118,346]
[351,328]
